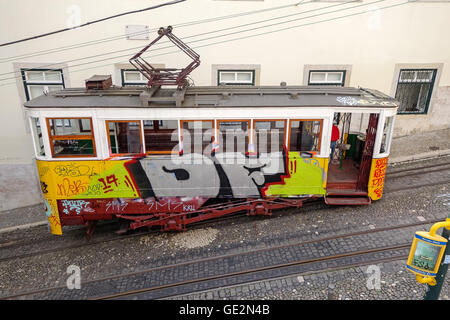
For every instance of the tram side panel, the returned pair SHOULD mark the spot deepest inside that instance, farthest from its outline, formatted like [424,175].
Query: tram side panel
[78,191]
[377,177]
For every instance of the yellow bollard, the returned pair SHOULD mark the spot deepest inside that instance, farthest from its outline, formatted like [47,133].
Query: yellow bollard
[426,253]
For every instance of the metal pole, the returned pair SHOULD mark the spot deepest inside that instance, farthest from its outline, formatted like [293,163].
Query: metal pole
[433,292]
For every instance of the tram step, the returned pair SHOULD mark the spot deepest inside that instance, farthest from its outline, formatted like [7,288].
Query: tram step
[349,201]
[346,192]
[344,185]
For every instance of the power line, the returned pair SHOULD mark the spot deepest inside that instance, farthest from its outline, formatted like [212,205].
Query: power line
[185,24]
[121,56]
[283,29]
[251,36]
[91,22]
[192,36]
[210,32]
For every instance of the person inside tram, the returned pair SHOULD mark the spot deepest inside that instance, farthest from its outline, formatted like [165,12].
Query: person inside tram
[334,138]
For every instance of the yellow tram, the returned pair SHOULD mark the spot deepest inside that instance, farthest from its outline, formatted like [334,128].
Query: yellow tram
[169,157]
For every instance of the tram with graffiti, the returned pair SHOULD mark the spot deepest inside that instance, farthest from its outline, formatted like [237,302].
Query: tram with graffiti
[169,154]
[152,159]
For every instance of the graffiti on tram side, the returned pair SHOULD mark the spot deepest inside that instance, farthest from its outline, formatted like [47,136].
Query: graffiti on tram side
[96,179]
[306,176]
[74,170]
[376,178]
[224,175]
[217,177]
[352,101]
[51,211]
[111,207]
[75,206]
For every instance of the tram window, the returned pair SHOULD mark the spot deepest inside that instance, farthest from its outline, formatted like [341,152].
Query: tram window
[161,136]
[386,134]
[124,137]
[269,135]
[305,135]
[197,136]
[68,137]
[233,135]
[37,132]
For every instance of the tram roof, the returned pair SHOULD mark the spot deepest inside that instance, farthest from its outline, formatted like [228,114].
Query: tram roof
[220,96]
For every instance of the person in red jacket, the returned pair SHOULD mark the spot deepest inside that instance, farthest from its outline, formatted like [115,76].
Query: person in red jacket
[334,138]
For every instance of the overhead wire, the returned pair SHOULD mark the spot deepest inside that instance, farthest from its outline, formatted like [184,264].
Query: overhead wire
[90,23]
[209,32]
[180,25]
[287,28]
[187,37]
[248,36]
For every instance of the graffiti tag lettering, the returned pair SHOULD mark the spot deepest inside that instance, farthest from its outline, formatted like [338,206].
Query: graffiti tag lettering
[116,206]
[73,170]
[44,187]
[75,206]
[378,176]
[108,185]
[69,188]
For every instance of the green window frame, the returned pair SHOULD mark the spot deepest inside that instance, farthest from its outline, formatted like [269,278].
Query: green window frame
[414,90]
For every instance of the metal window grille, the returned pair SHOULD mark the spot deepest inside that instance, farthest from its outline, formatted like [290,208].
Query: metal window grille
[414,89]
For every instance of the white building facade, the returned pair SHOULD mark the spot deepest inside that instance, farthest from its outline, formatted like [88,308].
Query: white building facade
[397,47]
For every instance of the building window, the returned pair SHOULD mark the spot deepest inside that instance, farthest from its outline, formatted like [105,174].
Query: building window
[236,77]
[71,141]
[330,78]
[41,81]
[132,77]
[124,137]
[305,135]
[414,88]
[161,136]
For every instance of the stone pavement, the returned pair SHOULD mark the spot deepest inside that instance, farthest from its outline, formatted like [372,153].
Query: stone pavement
[420,146]
[407,148]
[22,218]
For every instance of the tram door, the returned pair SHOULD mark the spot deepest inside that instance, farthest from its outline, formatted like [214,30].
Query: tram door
[350,168]
[366,161]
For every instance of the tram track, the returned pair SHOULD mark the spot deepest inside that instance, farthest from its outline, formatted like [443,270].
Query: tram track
[292,251]
[275,270]
[410,177]
[412,187]
[418,170]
